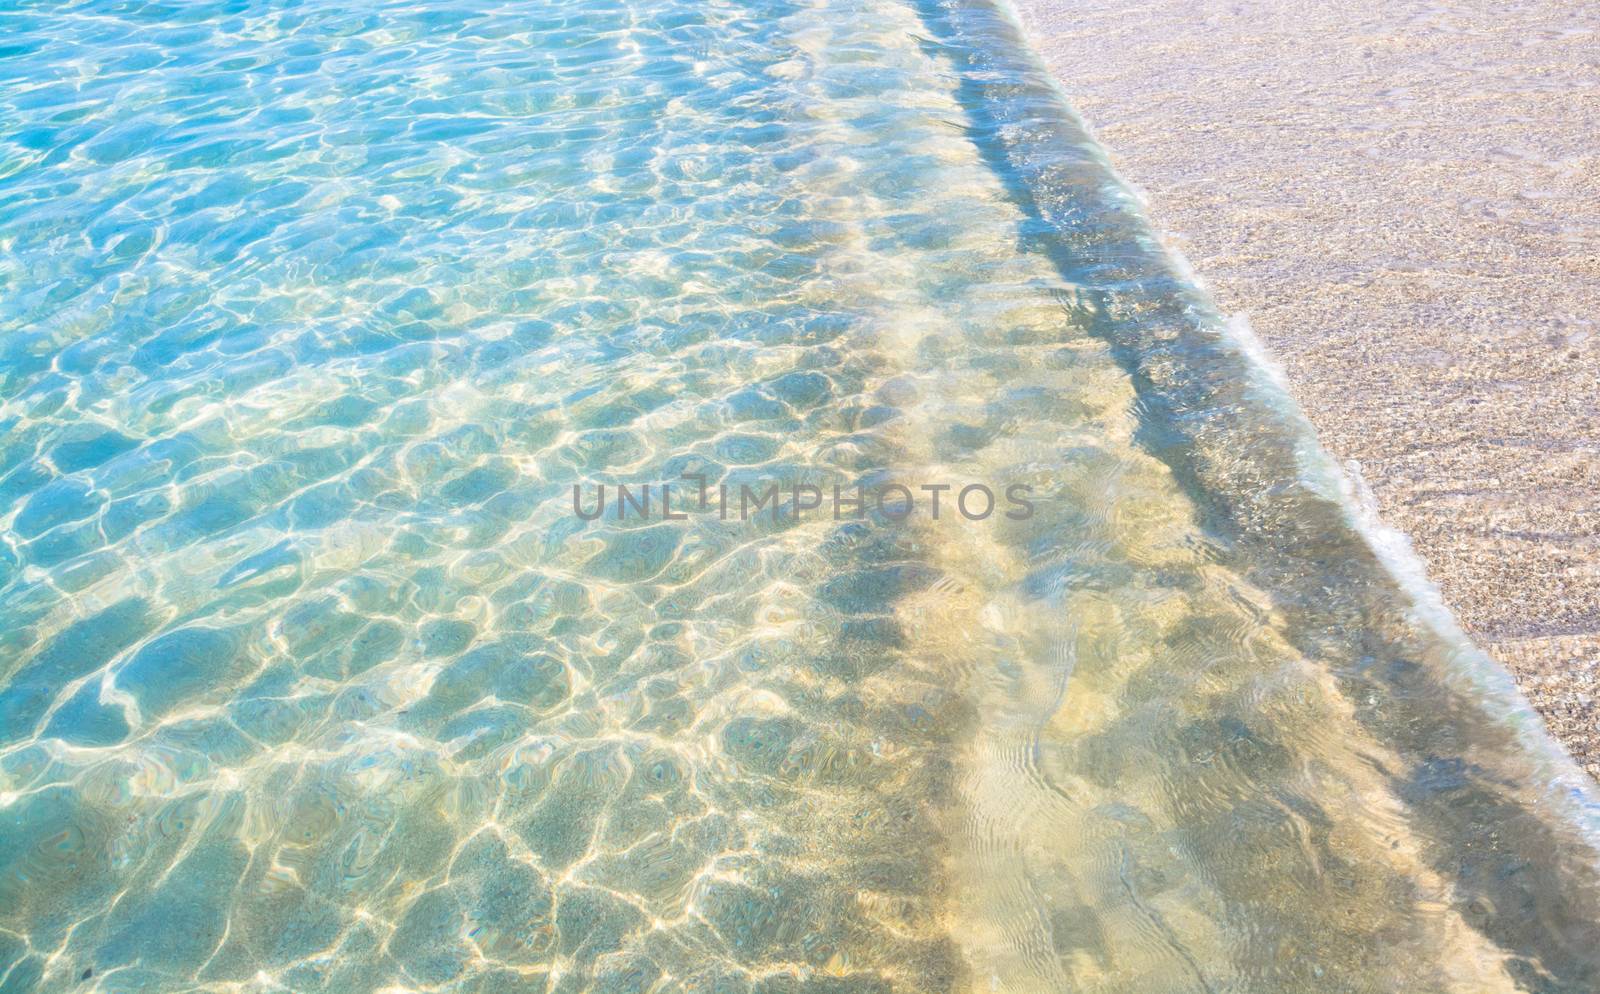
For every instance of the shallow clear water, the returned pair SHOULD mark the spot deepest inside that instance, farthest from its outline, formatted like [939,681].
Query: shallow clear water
[311,679]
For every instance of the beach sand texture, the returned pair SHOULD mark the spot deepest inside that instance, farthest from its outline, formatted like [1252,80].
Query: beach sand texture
[1404,199]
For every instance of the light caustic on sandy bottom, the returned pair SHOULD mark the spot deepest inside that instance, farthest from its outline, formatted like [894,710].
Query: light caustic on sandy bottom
[311,680]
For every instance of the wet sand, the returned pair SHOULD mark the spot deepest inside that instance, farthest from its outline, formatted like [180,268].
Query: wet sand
[1404,200]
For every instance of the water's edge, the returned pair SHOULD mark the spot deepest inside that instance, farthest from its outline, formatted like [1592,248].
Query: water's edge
[1473,766]
[1405,568]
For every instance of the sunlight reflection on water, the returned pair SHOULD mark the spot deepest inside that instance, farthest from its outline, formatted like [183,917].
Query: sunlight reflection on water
[310,318]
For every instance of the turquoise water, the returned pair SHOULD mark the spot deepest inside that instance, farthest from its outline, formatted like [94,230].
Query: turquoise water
[312,316]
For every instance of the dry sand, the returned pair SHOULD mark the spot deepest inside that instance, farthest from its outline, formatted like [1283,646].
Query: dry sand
[1404,198]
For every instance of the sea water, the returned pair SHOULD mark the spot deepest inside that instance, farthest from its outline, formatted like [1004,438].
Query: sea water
[313,316]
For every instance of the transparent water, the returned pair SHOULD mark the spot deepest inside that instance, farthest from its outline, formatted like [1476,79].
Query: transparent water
[312,314]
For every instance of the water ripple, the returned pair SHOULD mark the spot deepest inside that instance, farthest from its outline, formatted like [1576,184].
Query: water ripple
[310,320]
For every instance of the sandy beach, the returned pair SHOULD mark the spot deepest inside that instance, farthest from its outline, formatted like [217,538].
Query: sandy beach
[1404,200]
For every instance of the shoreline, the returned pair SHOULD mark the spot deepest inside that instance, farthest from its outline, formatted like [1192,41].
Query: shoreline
[1402,202]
